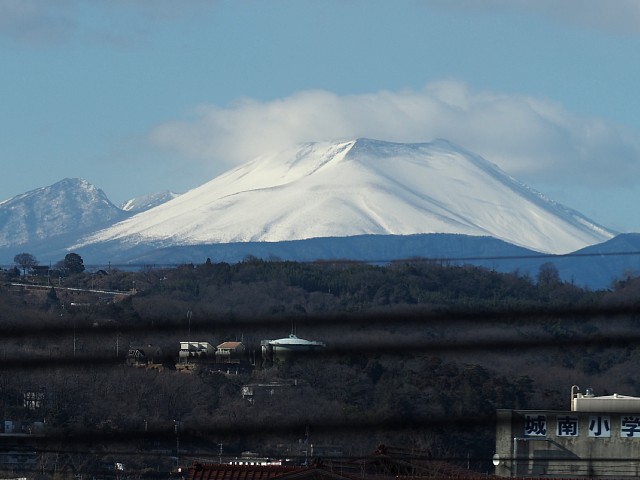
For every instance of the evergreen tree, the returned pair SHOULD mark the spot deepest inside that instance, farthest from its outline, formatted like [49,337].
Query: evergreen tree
[73,263]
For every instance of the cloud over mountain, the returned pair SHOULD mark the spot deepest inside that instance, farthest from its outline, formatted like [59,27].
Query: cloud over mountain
[532,138]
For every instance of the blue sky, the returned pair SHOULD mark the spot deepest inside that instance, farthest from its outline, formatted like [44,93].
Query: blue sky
[139,96]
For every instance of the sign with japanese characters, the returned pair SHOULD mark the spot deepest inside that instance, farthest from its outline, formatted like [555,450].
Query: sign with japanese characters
[576,424]
[630,426]
[535,425]
[600,426]
[567,426]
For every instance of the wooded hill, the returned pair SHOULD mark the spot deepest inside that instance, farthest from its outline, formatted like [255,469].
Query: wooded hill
[419,355]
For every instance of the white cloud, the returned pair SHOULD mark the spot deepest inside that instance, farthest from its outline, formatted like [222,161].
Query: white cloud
[533,139]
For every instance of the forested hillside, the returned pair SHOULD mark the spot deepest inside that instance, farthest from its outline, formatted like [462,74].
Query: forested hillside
[419,355]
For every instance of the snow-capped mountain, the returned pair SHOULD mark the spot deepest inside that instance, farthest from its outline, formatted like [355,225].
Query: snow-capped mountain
[64,211]
[355,188]
[145,202]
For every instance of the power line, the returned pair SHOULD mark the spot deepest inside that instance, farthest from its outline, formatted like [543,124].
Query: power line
[339,261]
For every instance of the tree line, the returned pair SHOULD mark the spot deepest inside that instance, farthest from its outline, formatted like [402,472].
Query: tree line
[72,263]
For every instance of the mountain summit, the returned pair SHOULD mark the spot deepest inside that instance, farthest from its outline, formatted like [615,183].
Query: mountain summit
[58,213]
[359,187]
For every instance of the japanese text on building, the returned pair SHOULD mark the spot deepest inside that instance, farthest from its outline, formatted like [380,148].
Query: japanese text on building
[535,425]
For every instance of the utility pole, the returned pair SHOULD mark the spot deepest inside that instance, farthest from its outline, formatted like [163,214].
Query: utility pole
[306,446]
[189,315]
[176,426]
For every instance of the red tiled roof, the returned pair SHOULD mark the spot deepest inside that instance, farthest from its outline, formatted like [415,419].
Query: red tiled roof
[435,471]
[212,471]
[229,345]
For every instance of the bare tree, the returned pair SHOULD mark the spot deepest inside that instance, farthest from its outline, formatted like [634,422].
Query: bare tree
[25,260]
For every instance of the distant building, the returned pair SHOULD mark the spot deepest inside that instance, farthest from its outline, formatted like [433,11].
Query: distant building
[19,444]
[40,270]
[195,350]
[230,352]
[599,436]
[144,356]
[284,348]
[33,400]
[195,354]
[266,392]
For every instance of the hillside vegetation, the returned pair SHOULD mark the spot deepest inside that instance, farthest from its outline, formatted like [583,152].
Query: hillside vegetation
[419,355]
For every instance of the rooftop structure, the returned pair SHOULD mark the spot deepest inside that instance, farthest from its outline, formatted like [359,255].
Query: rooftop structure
[588,402]
[282,348]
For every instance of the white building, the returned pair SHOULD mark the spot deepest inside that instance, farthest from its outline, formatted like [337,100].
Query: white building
[598,437]
[283,348]
[194,350]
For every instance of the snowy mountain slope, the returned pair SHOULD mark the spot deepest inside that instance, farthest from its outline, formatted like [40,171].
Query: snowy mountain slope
[145,202]
[359,187]
[69,209]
